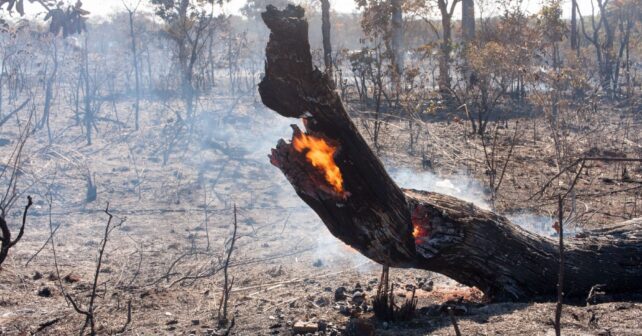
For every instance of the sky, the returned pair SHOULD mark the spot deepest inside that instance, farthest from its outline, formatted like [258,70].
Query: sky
[107,7]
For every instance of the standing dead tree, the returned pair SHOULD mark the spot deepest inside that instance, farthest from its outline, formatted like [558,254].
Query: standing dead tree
[227,283]
[89,313]
[361,205]
[132,35]
[5,241]
[189,26]
[327,42]
[495,169]
[10,172]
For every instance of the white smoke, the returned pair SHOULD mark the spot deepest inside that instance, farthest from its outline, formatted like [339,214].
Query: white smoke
[459,185]
[331,250]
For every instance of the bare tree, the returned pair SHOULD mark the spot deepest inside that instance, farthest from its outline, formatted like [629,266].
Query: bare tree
[468,20]
[602,43]
[132,35]
[188,26]
[227,283]
[325,29]
[447,10]
[5,240]
[89,313]
[575,41]
[397,37]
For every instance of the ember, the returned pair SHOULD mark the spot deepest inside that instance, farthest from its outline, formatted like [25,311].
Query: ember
[321,155]
[420,224]
[418,232]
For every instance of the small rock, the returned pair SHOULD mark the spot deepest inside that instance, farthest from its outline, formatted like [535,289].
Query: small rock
[323,325]
[196,322]
[322,302]
[318,263]
[359,327]
[427,286]
[457,309]
[172,322]
[45,292]
[357,298]
[432,310]
[345,310]
[340,294]
[71,278]
[410,287]
[301,327]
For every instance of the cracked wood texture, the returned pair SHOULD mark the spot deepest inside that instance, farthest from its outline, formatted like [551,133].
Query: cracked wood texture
[470,245]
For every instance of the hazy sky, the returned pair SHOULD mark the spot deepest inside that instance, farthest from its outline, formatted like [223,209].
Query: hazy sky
[106,7]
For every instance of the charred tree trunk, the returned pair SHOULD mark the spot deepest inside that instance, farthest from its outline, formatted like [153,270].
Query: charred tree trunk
[575,45]
[397,37]
[325,30]
[446,48]
[132,35]
[415,229]
[468,20]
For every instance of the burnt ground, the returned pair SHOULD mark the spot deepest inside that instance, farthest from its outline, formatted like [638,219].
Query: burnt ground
[286,267]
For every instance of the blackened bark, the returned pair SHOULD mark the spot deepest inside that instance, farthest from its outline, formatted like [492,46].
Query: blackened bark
[574,32]
[446,48]
[325,31]
[374,217]
[468,20]
[397,37]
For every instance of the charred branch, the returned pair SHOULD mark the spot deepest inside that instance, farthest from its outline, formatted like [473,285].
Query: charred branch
[6,242]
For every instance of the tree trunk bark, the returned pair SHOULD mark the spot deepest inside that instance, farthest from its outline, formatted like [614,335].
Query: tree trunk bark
[397,37]
[444,60]
[468,20]
[325,31]
[132,35]
[416,229]
[574,32]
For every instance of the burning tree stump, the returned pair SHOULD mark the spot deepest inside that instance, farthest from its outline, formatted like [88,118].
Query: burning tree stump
[335,172]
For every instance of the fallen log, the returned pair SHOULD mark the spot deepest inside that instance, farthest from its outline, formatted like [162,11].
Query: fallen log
[333,170]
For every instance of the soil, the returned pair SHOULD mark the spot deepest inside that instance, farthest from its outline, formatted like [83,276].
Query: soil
[178,216]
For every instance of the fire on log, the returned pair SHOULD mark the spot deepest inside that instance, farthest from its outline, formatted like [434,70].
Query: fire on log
[335,172]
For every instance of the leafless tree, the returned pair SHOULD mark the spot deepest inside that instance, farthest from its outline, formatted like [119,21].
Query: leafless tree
[90,313]
[132,12]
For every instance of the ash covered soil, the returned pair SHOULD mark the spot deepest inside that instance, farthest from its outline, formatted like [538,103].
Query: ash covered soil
[176,185]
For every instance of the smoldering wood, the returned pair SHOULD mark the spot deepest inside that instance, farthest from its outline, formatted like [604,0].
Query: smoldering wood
[375,221]
[470,245]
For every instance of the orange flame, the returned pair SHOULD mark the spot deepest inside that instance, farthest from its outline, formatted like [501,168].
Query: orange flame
[418,232]
[321,155]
